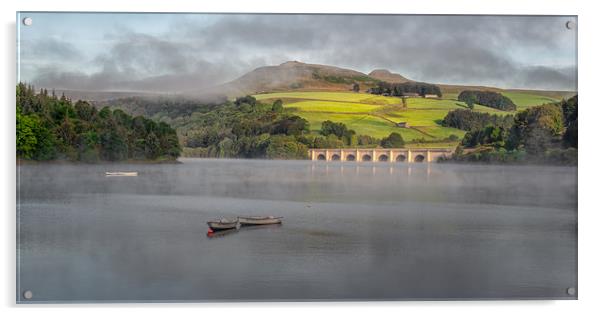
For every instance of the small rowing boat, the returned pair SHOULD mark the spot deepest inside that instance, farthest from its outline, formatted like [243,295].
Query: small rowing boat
[223,224]
[259,220]
[121,174]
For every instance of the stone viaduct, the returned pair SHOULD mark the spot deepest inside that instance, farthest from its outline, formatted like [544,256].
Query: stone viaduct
[380,154]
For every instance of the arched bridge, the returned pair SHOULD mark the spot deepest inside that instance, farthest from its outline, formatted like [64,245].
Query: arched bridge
[380,154]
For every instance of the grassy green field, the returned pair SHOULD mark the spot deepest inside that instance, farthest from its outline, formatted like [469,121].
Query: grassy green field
[376,115]
[418,117]
[426,104]
[522,100]
[525,100]
[331,96]
[445,104]
[364,124]
[332,106]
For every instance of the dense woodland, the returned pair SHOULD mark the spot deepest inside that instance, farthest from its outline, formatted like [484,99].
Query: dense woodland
[487,98]
[51,127]
[541,134]
[406,88]
[468,120]
[170,106]
[247,128]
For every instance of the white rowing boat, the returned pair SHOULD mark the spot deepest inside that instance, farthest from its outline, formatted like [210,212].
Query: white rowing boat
[259,220]
[223,224]
[121,174]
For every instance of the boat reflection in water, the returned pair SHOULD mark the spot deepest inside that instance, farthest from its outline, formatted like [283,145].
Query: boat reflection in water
[221,233]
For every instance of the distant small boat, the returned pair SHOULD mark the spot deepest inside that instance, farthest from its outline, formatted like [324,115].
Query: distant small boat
[259,220]
[223,224]
[121,174]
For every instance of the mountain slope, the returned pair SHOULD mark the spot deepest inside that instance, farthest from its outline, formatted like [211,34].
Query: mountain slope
[294,75]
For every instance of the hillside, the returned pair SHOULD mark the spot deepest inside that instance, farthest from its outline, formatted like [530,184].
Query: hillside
[318,93]
[298,76]
[377,115]
[294,75]
[374,115]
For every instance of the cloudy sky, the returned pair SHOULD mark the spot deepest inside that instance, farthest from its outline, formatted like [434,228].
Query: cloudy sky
[184,52]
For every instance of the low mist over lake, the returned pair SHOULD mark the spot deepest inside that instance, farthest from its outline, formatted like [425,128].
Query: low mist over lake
[350,231]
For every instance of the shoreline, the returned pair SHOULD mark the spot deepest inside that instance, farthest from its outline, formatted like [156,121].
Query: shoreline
[101,162]
[20,162]
[380,163]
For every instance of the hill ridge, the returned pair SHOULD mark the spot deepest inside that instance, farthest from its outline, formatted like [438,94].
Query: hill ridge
[295,75]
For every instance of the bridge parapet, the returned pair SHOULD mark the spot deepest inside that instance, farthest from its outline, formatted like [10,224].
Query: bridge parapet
[379,154]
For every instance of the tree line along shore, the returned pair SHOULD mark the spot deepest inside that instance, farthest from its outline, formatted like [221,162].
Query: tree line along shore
[51,128]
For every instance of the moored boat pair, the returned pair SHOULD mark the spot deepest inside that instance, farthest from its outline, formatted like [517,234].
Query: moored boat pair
[224,223]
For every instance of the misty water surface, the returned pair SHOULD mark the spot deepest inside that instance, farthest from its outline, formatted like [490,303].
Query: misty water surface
[351,231]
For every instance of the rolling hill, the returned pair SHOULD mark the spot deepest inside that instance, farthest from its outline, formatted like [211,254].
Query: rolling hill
[298,76]
[377,115]
[294,75]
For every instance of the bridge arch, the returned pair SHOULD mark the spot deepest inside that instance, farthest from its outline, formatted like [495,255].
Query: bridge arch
[401,158]
[350,157]
[419,158]
[383,157]
[366,157]
[336,157]
[321,157]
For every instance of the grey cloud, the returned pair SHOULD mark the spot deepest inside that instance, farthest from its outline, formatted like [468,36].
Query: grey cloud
[550,78]
[49,48]
[143,63]
[444,49]
[458,49]
[274,31]
[473,50]
[200,75]
[144,54]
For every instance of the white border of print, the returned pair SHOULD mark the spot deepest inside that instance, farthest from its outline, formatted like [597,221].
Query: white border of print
[589,173]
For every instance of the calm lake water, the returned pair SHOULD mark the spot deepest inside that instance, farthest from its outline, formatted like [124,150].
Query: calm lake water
[351,231]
